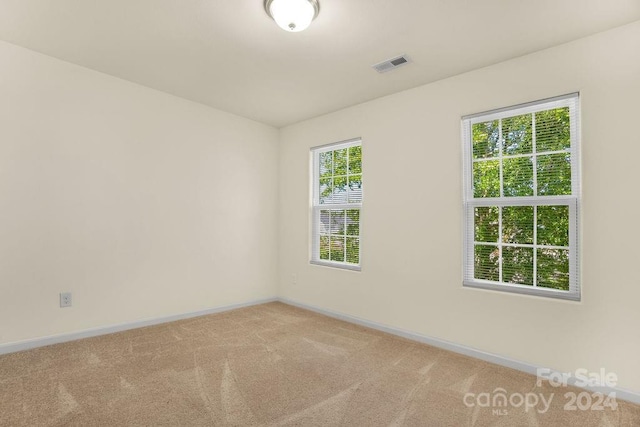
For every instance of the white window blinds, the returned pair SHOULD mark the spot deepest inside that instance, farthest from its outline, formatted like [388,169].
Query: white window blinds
[336,206]
[521,198]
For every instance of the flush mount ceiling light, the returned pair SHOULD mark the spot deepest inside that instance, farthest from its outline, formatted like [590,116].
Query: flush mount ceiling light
[292,15]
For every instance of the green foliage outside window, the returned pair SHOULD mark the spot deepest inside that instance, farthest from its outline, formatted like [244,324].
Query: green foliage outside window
[522,156]
[340,182]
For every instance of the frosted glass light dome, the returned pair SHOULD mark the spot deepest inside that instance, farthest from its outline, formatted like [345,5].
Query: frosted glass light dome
[292,15]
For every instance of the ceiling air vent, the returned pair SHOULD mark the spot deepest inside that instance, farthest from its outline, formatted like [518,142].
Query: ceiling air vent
[390,64]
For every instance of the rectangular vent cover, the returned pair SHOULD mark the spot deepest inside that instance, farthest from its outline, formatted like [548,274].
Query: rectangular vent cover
[390,64]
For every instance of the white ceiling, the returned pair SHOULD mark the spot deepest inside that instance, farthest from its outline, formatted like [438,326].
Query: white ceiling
[230,55]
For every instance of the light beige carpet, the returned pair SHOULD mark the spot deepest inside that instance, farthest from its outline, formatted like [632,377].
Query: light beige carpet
[268,365]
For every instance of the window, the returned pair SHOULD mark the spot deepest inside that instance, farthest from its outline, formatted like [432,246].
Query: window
[337,202]
[521,198]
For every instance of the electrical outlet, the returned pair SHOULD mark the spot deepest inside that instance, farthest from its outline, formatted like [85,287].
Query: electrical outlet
[65,299]
[294,279]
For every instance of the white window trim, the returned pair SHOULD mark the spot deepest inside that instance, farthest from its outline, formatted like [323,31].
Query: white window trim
[316,207]
[573,200]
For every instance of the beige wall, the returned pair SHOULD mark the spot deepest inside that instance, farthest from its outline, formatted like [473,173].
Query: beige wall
[140,203]
[411,222]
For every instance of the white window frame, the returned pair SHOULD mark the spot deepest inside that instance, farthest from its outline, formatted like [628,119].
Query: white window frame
[573,200]
[316,207]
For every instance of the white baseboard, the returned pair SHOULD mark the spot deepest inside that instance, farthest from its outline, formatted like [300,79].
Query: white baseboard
[93,332]
[622,394]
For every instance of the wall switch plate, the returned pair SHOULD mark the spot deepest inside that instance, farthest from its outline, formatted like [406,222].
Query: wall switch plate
[65,299]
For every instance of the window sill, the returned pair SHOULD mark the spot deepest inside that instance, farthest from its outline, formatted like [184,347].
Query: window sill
[525,290]
[339,265]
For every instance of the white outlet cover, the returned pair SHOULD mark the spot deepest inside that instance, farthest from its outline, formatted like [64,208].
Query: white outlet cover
[65,299]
